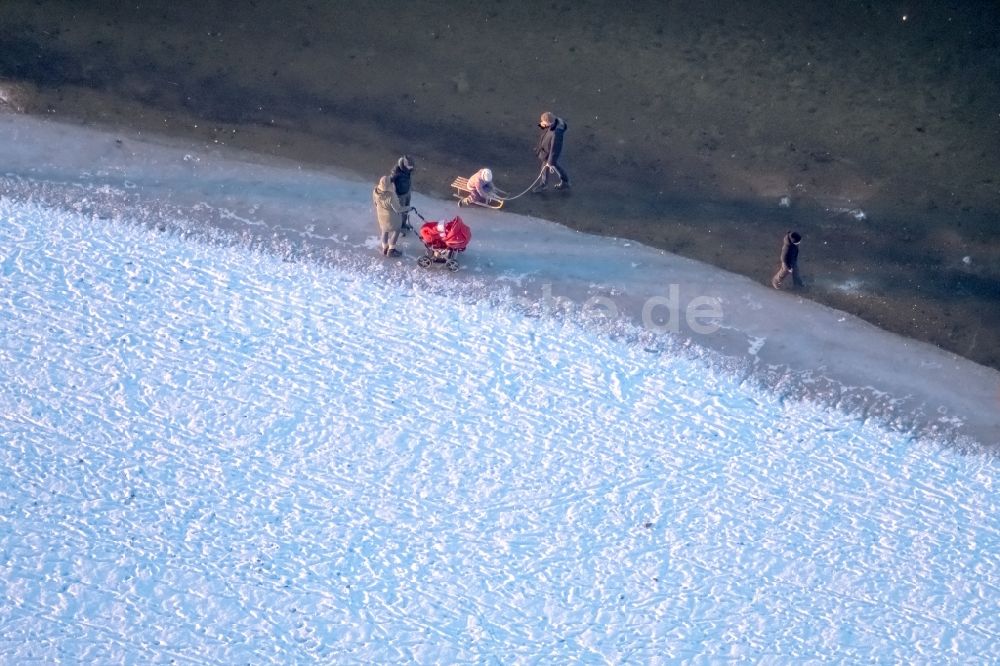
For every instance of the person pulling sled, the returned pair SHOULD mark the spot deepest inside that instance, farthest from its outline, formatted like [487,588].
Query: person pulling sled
[548,149]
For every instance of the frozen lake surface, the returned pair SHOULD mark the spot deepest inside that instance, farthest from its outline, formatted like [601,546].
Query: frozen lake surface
[252,446]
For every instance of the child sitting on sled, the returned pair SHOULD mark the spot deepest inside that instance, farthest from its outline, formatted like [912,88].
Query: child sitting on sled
[481,188]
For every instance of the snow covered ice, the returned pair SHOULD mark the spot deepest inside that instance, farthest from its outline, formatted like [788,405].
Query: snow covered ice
[216,453]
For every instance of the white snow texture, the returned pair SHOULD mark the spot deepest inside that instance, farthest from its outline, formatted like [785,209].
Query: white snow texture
[213,455]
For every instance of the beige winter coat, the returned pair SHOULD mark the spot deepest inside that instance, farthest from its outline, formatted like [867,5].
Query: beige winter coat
[387,207]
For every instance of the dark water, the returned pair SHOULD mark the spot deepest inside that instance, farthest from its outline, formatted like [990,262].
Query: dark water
[688,120]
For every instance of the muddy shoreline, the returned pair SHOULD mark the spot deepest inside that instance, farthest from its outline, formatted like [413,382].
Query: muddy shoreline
[688,123]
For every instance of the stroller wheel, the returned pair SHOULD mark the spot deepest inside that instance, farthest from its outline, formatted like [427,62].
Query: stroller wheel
[451,265]
[424,261]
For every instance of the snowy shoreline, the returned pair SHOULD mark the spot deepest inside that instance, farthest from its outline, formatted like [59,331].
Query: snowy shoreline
[785,343]
[219,452]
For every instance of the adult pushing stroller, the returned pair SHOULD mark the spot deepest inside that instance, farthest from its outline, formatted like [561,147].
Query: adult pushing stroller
[443,241]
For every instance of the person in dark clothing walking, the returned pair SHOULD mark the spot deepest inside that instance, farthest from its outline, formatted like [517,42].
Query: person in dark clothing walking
[549,148]
[789,261]
[400,179]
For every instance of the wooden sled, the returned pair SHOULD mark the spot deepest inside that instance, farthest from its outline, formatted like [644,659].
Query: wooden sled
[462,192]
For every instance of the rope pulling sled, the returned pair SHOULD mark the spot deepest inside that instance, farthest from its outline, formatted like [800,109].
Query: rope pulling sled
[463,193]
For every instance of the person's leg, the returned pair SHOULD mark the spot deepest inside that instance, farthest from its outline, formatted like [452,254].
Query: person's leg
[797,277]
[563,176]
[404,202]
[391,238]
[383,241]
[779,277]
[543,179]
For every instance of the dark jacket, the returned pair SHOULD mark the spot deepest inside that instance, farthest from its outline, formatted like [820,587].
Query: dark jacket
[400,178]
[789,253]
[550,142]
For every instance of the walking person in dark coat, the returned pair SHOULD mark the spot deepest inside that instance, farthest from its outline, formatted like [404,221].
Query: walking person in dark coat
[549,148]
[400,178]
[789,261]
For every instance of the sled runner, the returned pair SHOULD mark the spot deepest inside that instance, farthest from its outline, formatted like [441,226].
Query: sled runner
[443,241]
[464,195]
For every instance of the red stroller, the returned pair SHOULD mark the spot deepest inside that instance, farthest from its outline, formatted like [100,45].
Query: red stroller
[443,240]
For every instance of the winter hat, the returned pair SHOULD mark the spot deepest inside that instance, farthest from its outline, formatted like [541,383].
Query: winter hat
[795,237]
[405,162]
[547,119]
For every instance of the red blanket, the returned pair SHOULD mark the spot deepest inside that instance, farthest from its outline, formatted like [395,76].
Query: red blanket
[452,235]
